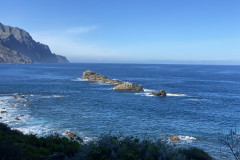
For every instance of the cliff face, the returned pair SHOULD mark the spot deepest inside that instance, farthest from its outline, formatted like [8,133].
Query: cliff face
[17,46]
[10,56]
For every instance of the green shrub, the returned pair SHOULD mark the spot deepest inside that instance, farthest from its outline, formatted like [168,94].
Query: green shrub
[15,145]
[195,153]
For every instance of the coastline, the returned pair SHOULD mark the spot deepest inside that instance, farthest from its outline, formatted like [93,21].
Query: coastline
[59,101]
[15,144]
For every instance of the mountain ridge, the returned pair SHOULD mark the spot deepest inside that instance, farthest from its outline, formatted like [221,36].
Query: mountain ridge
[17,46]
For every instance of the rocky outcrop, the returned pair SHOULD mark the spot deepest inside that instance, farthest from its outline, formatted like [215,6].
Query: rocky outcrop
[17,118]
[161,92]
[120,85]
[128,87]
[95,77]
[70,134]
[174,138]
[17,46]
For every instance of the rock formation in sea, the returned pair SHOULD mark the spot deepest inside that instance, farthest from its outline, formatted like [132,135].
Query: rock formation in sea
[161,92]
[17,46]
[174,138]
[120,85]
[128,87]
[95,77]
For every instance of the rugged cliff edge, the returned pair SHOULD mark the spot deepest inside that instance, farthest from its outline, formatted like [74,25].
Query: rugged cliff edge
[17,46]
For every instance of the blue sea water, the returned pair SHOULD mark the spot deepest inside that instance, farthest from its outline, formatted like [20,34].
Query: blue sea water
[208,104]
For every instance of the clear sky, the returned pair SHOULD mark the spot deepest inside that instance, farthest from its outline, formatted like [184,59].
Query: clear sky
[149,31]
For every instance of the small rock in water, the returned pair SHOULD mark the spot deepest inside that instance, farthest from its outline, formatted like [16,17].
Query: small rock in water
[70,134]
[17,118]
[27,99]
[22,97]
[174,138]
[21,115]
[3,108]
[3,111]
[161,92]
[0,117]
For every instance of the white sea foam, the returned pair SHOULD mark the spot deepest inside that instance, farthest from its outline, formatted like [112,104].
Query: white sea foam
[187,138]
[59,96]
[148,90]
[33,95]
[89,139]
[195,99]
[144,94]
[176,95]
[5,98]
[36,129]
[55,96]
[79,79]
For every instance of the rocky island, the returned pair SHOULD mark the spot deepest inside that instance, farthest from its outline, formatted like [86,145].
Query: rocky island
[95,77]
[120,85]
[17,46]
[161,92]
[128,87]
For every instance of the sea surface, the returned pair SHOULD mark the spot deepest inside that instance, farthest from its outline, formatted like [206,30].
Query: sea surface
[202,101]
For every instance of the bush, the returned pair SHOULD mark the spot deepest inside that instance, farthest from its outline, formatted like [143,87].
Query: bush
[109,147]
[195,153]
[15,145]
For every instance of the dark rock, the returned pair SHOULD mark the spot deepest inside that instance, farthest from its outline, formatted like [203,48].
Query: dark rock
[21,115]
[22,97]
[17,118]
[95,77]
[0,117]
[161,92]
[128,87]
[3,111]
[174,138]
[17,46]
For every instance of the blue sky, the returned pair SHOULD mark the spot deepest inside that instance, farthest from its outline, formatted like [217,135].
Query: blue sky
[132,31]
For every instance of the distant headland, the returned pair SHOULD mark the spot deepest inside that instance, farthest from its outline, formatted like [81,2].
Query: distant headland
[17,46]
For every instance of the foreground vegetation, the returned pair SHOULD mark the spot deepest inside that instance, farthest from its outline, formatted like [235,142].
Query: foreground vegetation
[15,145]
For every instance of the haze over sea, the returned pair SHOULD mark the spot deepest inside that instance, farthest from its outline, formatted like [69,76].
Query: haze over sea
[208,103]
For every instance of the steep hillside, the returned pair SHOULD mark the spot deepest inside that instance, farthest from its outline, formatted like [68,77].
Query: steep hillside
[17,46]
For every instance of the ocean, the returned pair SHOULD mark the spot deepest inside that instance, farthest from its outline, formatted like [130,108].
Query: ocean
[202,101]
